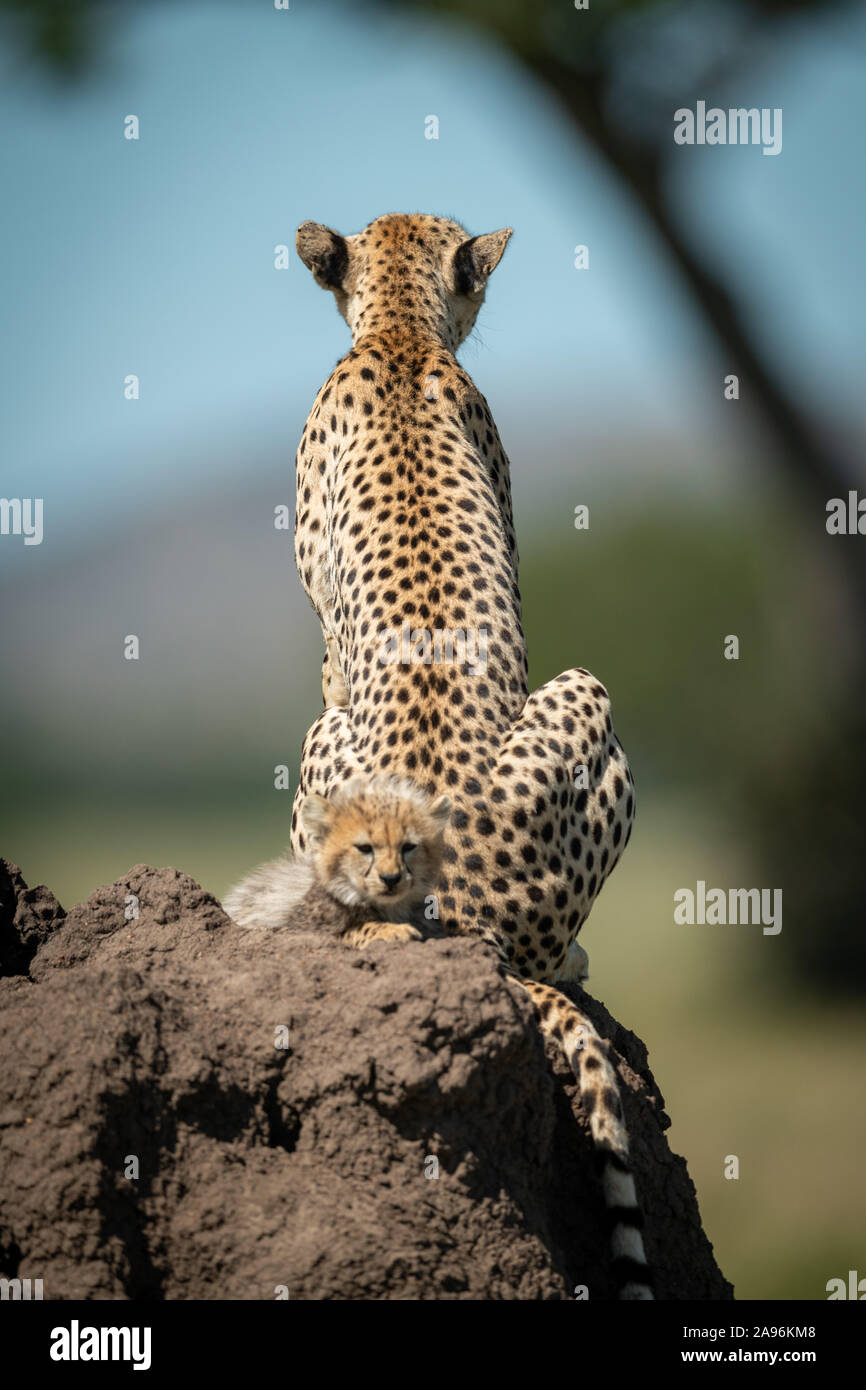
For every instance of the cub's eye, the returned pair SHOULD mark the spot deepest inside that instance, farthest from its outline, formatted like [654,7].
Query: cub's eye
[364,849]
[408,848]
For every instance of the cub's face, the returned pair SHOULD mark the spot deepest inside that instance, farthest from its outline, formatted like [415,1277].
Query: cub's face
[377,842]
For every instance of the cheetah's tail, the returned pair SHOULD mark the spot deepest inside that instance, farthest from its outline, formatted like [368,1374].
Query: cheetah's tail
[589,1060]
[266,897]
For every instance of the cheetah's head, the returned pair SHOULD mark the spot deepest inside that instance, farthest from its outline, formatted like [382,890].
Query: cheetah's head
[405,272]
[377,841]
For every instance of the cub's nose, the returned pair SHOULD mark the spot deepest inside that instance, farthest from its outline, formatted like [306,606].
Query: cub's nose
[390,880]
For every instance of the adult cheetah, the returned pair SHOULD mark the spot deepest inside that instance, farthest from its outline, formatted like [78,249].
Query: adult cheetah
[404,531]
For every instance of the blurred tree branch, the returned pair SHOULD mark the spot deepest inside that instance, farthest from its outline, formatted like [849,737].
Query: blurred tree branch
[62,35]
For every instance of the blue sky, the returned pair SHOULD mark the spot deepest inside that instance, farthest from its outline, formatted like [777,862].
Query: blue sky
[156,256]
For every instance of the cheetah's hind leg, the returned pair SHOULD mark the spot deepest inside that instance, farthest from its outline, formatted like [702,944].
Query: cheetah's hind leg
[562,786]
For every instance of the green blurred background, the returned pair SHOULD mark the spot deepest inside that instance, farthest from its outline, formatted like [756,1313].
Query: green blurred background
[707,516]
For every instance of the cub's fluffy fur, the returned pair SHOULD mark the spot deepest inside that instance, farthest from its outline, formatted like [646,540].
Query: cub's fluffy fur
[375,851]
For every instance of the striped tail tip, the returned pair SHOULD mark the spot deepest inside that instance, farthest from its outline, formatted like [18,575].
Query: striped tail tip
[625,1218]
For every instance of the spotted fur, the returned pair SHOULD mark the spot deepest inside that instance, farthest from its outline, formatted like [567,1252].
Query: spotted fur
[404,524]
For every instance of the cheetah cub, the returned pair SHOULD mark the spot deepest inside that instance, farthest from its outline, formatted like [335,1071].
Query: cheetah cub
[375,851]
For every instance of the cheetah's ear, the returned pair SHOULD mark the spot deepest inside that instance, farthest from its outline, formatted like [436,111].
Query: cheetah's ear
[323,252]
[476,259]
[441,811]
[315,815]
